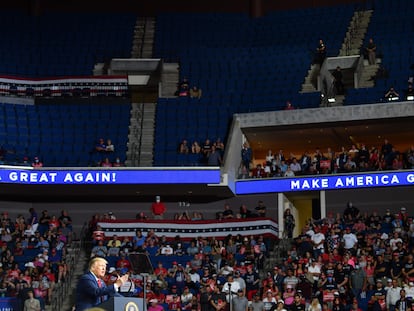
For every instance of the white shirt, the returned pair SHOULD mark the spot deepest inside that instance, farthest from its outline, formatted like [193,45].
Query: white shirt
[318,238]
[393,294]
[315,269]
[195,277]
[409,291]
[234,286]
[350,240]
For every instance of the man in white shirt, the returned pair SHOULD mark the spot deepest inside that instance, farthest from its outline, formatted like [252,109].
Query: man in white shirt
[393,294]
[230,288]
[318,240]
[350,239]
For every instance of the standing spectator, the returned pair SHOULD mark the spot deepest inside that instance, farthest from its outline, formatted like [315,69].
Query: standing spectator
[218,299]
[261,209]
[214,157]
[289,223]
[257,304]
[320,54]
[371,51]
[252,280]
[297,304]
[351,211]
[158,208]
[44,222]
[338,83]
[350,240]
[31,303]
[393,295]
[318,240]
[33,220]
[65,219]
[240,302]
[403,304]
[205,297]
[246,155]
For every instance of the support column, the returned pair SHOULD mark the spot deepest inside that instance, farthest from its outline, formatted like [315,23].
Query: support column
[322,199]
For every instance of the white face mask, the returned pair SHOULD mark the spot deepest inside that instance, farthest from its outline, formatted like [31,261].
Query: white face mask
[362,264]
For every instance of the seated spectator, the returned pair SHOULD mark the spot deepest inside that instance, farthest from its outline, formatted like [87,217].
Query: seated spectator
[114,242]
[118,163]
[259,172]
[195,147]
[106,163]
[123,262]
[392,94]
[228,212]
[289,106]
[289,172]
[141,216]
[409,93]
[109,146]
[195,92]
[183,148]
[295,166]
[166,250]
[183,88]
[138,240]
[99,250]
[37,163]
[100,146]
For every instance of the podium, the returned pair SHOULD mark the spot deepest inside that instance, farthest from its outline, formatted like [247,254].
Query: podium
[123,304]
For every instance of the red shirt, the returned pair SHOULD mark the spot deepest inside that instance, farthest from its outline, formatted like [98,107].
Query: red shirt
[158,208]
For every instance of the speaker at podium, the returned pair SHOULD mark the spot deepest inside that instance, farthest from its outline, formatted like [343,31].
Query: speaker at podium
[123,304]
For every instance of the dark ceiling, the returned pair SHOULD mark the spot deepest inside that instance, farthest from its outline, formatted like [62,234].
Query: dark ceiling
[298,139]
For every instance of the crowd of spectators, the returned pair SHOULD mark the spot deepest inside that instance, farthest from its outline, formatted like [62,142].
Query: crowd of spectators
[210,152]
[358,158]
[33,252]
[349,261]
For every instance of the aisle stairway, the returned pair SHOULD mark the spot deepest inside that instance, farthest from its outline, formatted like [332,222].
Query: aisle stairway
[352,45]
[141,135]
[64,293]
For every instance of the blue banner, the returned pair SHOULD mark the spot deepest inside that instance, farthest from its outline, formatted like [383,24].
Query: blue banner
[8,304]
[325,182]
[98,176]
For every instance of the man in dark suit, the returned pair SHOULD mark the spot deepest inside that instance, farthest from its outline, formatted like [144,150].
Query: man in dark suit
[91,289]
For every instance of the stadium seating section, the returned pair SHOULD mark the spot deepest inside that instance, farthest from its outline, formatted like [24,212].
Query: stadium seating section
[63,134]
[62,44]
[242,64]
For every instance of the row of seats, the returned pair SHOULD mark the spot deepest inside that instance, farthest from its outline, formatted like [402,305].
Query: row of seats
[62,43]
[62,134]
